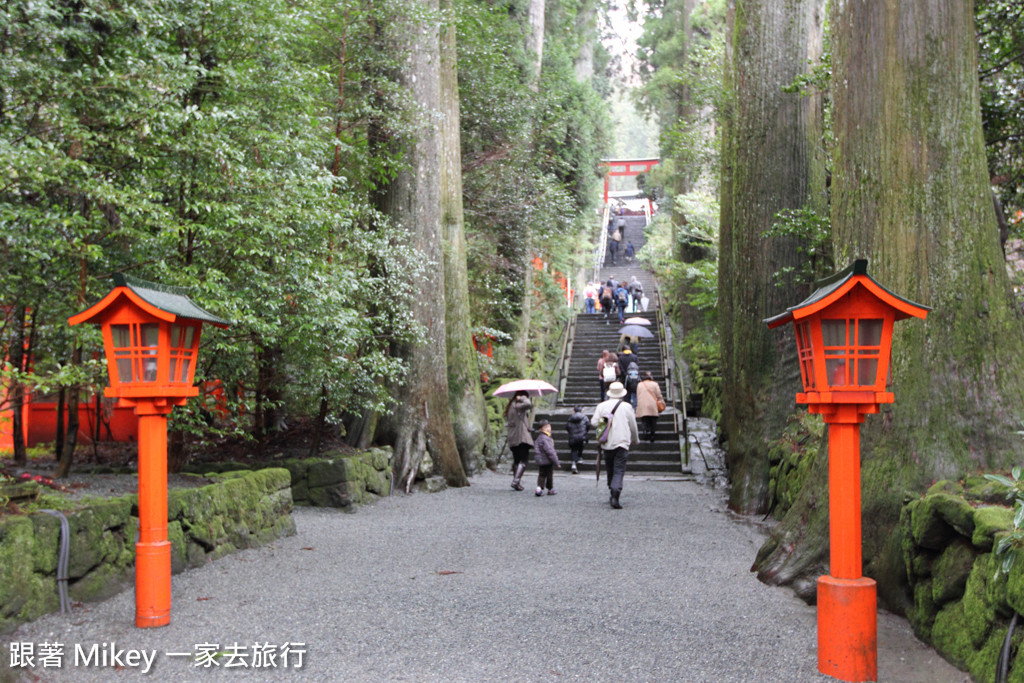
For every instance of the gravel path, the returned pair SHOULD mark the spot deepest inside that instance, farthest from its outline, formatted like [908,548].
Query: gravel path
[487,584]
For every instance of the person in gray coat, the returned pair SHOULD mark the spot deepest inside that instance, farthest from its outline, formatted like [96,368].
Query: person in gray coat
[517,419]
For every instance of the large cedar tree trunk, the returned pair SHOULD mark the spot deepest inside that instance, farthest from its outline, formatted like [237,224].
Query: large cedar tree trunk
[775,162]
[422,420]
[910,193]
[535,40]
[469,413]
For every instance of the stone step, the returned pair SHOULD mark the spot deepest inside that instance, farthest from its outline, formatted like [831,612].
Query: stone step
[596,332]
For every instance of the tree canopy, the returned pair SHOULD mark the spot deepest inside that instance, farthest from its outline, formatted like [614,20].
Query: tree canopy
[242,155]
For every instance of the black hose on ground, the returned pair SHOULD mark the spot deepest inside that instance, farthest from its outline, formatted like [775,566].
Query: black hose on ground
[1003,663]
[62,560]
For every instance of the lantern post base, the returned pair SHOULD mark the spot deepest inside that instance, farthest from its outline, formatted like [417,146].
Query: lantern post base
[152,584]
[848,628]
[153,549]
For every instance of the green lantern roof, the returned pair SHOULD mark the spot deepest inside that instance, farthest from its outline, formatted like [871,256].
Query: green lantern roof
[168,298]
[839,283]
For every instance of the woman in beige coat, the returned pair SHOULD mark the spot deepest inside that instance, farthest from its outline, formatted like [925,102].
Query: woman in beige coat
[648,393]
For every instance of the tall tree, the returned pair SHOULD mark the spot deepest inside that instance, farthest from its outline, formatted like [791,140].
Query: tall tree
[422,419]
[775,162]
[535,40]
[469,414]
[910,192]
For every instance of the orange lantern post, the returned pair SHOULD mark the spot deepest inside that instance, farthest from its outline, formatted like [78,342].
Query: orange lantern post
[844,343]
[151,339]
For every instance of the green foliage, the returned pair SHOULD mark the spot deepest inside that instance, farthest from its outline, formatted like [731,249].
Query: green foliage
[685,221]
[198,147]
[529,156]
[683,82]
[1011,545]
[791,456]
[242,155]
[1000,30]
[813,233]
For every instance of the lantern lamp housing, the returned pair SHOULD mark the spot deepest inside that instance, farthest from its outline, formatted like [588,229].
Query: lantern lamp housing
[151,338]
[844,337]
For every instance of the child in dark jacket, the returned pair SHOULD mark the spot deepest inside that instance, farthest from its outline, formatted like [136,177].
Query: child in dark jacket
[578,427]
[546,459]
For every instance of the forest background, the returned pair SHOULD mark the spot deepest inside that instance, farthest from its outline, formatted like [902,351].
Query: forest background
[362,188]
[294,167]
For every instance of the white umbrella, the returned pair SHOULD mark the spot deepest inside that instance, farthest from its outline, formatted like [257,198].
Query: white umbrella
[533,387]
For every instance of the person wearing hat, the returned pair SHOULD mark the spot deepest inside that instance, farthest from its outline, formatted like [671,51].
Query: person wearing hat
[617,415]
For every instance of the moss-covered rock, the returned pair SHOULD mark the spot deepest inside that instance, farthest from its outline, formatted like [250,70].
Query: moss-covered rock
[24,594]
[1015,587]
[951,571]
[922,616]
[978,488]
[962,604]
[99,534]
[988,521]
[325,473]
[978,611]
[933,520]
[105,581]
[982,663]
[950,634]
[238,511]
[179,546]
[956,511]
[945,486]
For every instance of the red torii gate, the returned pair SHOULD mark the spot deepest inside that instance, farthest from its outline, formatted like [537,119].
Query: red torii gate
[625,168]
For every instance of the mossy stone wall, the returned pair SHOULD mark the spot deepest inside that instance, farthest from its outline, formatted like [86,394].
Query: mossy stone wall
[962,605]
[243,510]
[337,479]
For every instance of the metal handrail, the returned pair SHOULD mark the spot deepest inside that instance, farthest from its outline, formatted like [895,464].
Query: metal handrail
[565,355]
[602,243]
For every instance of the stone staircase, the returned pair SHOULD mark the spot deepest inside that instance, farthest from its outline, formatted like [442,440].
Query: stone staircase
[581,386]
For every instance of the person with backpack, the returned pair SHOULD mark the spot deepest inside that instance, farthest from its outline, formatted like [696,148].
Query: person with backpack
[589,297]
[578,427]
[632,381]
[622,301]
[636,292]
[616,422]
[607,301]
[628,359]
